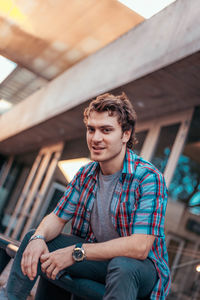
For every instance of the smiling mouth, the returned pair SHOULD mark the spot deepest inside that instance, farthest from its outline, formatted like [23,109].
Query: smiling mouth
[97,148]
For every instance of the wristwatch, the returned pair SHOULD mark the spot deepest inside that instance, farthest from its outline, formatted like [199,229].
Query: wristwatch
[78,253]
[35,237]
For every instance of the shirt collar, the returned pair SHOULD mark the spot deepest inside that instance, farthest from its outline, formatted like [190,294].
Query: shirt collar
[94,170]
[129,162]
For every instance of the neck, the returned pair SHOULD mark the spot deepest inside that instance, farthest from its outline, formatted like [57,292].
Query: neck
[115,165]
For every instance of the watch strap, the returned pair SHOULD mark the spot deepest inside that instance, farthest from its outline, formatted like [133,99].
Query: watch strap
[79,245]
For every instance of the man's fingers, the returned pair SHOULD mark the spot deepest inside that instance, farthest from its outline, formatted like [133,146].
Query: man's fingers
[44,257]
[25,264]
[31,256]
[54,273]
[28,266]
[45,265]
[34,265]
[49,266]
[49,270]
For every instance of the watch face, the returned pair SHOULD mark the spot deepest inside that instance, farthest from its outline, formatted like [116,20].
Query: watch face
[78,254]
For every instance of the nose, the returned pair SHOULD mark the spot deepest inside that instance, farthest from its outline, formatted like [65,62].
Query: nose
[97,136]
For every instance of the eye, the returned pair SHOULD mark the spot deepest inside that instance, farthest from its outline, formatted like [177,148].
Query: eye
[90,129]
[106,130]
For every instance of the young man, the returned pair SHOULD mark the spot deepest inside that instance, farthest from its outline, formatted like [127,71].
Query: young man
[117,205]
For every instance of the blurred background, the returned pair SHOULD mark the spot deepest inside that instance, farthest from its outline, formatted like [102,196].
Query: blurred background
[57,55]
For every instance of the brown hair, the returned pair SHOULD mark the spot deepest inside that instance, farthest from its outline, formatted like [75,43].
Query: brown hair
[119,105]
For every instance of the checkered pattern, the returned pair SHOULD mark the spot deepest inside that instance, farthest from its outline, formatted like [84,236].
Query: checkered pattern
[138,206]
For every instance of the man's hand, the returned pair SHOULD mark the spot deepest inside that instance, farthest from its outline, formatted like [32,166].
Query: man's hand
[31,256]
[54,262]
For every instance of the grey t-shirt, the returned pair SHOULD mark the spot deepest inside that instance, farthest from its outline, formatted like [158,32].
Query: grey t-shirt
[101,222]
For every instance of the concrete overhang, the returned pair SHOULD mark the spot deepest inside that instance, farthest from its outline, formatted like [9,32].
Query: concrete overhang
[155,63]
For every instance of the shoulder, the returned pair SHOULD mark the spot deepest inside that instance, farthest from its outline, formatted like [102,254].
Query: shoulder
[144,170]
[85,172]
[88,169]
[150,181]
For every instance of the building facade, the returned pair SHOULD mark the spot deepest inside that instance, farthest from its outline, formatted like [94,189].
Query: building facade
[162,81]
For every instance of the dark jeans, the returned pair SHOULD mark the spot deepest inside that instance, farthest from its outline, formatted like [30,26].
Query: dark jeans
[125,278]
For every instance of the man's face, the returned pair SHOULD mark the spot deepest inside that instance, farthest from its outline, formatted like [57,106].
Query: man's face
[105,138]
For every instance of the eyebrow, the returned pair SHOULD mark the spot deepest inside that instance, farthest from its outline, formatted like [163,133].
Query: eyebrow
[101,127]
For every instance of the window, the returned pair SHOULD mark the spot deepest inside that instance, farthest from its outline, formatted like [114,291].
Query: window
[164,146]
[140,136]
[185,185]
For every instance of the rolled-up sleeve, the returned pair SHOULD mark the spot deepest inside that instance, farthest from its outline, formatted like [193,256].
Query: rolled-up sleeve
[149,209]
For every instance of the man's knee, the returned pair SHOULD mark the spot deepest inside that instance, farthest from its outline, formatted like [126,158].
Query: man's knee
[28,235]
[124,267]
[26,238]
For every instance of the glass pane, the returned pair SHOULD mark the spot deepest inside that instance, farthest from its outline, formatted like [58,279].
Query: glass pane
[7,188]
[185,185]
[57,195]
[2,162]
[164,146]
[140,136]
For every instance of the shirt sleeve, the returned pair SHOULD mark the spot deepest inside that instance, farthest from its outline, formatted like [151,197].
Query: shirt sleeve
[149,210]
[66,207]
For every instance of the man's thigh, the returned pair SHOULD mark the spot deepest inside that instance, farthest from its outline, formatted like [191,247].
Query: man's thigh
[129,273]
[94,270]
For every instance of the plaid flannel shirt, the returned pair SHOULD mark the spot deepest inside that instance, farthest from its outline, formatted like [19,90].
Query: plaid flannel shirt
[138,206]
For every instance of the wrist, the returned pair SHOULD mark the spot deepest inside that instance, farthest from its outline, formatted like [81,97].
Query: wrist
[37,237]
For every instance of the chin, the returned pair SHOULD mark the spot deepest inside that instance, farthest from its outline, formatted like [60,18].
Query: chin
[97,158]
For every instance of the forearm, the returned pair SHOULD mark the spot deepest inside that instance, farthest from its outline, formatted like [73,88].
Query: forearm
[50,227]
[135,246]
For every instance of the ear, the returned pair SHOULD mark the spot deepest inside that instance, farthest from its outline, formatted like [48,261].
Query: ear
[126,136]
